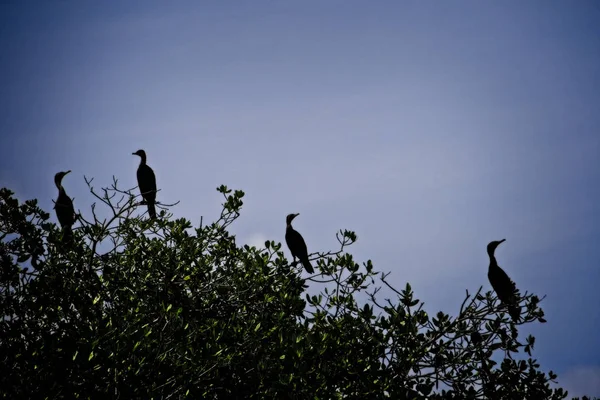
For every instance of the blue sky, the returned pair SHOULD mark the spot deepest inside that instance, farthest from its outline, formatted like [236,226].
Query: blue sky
[429,128]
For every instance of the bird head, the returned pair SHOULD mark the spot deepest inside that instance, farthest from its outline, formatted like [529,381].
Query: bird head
[491,247]
[59,177]
[290,217]
[140,153]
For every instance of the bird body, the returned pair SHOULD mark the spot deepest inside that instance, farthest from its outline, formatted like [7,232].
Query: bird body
[504,287]
[147,183]
[65,212]
[296,244]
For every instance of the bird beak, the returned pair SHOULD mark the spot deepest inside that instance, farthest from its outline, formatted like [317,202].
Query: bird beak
[134,154]
[500,241]
[66,173]
[295,215]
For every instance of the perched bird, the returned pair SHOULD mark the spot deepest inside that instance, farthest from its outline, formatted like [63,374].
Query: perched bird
[504,287]
[296,244]
[65,212]
[147,183]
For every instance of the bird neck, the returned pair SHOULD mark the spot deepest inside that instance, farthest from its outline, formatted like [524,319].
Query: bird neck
[493,262]
[143,159]
[58,184]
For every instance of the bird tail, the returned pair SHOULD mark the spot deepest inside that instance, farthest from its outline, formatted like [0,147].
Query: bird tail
[515,312]
[151,210]
[67,234]
[307,266]
[514,309]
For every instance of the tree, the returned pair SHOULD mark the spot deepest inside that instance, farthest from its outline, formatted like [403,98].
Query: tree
[136,308]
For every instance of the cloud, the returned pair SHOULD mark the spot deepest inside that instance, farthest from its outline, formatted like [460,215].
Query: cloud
[256,239]
[581,381]
[426,157]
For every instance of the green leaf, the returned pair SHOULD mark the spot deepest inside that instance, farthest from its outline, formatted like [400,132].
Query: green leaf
[244,310]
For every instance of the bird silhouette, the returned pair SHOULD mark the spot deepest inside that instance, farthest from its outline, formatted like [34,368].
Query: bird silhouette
[504,287]
[296,244]
[65,212]
[147,183]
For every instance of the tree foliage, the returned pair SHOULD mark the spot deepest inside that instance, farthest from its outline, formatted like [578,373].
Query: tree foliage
[132,308]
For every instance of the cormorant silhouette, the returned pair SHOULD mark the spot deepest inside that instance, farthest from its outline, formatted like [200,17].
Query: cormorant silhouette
[296,244]
[65,212]
[504,287]
[147,183]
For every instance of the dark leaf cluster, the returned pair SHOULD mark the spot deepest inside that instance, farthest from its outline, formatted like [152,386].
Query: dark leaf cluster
[160,309]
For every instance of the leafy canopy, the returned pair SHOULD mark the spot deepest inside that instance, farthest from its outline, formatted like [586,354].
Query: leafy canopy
[132,308]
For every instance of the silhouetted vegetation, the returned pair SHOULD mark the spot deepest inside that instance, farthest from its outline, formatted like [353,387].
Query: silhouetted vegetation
[156,308]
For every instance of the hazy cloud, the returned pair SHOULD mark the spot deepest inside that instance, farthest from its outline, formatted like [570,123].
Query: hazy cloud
[581,381]
[429,130]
